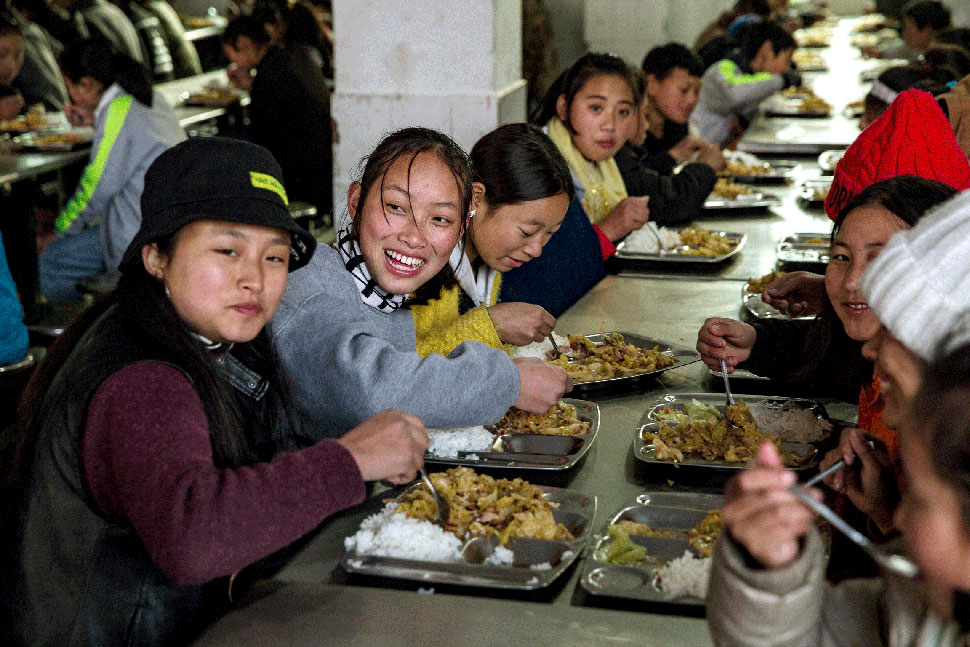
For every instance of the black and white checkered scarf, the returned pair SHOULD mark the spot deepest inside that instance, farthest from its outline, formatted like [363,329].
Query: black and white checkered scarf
[370,292]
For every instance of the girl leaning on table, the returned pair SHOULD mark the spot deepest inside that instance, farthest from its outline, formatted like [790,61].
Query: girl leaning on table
[132,126]
[520,193]
[345,332]
[767,584]
[157,460]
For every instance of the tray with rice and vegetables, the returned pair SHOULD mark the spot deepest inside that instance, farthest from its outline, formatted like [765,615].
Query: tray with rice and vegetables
[755,306]
[813,192]
[506,534]
[617,362]
[745,167]
[697,430]
[687,245]
[798,105]
[553,441]
[731,195]
[656,550]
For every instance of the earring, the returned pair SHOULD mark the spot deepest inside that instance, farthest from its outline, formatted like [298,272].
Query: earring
[167,292]
[471,214]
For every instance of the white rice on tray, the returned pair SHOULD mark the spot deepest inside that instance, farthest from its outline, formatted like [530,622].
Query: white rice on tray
[446,443]
[540,349]
[793,425]
[391,533]
[686,575]
[645,242]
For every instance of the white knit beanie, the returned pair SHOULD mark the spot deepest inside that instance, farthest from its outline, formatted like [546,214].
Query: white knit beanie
[919,285]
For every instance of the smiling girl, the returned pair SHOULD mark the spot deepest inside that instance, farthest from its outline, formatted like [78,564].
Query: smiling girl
[589,113]
[344,330]
[157,460]
[520,194]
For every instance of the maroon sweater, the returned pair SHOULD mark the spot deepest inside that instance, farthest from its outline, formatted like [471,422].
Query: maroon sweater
[147,459]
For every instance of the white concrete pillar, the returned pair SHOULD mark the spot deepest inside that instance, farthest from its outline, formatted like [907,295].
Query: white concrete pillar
[452,66]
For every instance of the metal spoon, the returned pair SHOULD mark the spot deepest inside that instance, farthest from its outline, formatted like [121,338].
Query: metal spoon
[555,346]
[890,562]
[652,228]
[442,511]
[824,474]
[727,385]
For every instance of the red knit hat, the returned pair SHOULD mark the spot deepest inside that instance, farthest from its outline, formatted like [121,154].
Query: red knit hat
[913,137]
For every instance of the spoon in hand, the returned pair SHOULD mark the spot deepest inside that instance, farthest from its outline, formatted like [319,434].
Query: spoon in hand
[442,511]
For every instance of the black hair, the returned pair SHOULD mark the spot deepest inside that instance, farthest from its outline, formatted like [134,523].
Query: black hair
[252,27]
[908,197]
[955,36]
[8,28]
[572,81]
[760,7]
[927,13]
[947,63]
[238,436]
[519,163]
[663,60]
[94,57]
[409,143]
[898,79]
[941,407]
[759,32]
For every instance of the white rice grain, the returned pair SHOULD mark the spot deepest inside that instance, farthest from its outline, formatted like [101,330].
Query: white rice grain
[446,443]
[687,575]
[391,533]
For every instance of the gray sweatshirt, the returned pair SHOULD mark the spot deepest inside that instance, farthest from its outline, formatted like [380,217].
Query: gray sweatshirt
[730,88]
[344,361]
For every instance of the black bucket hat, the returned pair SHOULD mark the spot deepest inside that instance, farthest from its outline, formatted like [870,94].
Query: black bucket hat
[216,178]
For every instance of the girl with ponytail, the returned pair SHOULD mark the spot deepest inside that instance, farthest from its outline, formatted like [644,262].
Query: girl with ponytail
[113,93]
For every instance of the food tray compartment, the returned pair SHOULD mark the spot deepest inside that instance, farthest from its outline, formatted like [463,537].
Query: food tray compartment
[827,160]
[813,192]
[643,449]
[576,512]
[633,383]
[547,453]
[803,249]
[639,581]
[623,253]
[48,141]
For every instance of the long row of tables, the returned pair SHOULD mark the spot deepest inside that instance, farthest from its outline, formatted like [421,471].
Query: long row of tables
[312,601]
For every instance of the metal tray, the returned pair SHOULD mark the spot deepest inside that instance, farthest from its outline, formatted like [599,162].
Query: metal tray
[576,511]
[760,310]
[738,374]
[778,171]
[807,191]
[800,249]
[35,140]
[633,383]
[643,450]
[679,511]
[675,256]
[751,201]
[535,451]
[827,160]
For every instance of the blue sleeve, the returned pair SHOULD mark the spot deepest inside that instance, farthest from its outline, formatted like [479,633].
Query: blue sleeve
[570,265]
[13,332]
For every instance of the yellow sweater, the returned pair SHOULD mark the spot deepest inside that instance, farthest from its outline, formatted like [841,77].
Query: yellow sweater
[440,329]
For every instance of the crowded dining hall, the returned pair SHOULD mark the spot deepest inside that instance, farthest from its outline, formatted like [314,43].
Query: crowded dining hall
[557,322]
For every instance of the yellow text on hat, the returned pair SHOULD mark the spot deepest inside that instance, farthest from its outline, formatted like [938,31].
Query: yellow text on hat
[270,183]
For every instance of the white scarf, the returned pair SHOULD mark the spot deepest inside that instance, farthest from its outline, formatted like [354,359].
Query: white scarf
[370,292]
[477,284]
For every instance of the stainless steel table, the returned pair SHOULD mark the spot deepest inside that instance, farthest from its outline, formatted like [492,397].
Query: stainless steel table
[312,601]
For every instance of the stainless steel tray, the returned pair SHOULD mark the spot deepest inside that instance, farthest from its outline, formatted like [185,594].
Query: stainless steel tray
[534,451]
[678,511]
[828,159]
[622,252]
[803,249]
[807,191]
[633,383]
[643,449]
[739,374]
[751,201]
[576,511]
[779,171]
[760,310]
